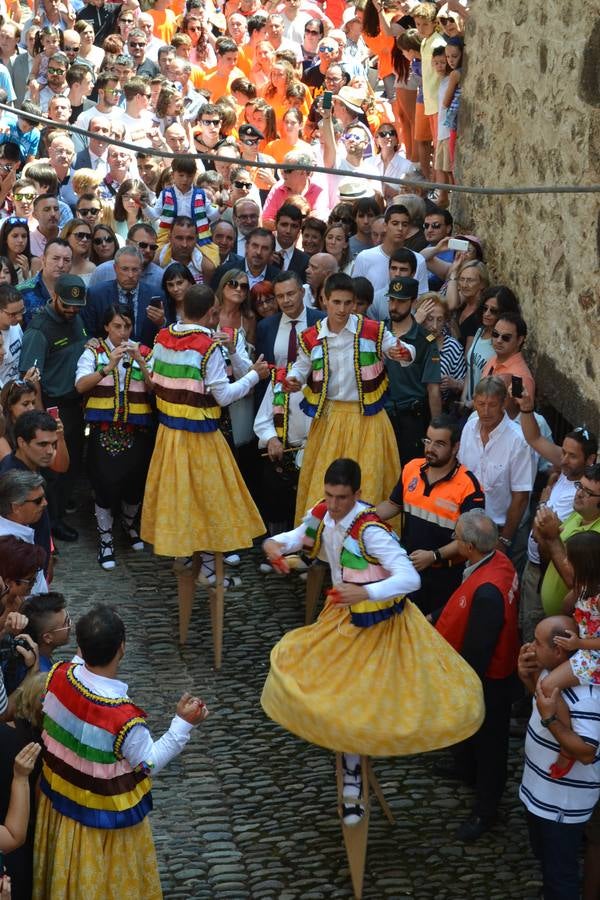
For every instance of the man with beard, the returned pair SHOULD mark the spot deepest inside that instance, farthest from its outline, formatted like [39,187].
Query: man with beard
[432,494]
[414,390]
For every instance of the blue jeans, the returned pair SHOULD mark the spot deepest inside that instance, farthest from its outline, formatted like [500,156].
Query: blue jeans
[557,847]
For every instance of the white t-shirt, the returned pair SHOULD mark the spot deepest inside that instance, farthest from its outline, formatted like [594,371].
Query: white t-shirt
[443,130]
[13,341]
[374,264]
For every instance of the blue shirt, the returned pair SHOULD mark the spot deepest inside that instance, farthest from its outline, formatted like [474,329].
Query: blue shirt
[35,295]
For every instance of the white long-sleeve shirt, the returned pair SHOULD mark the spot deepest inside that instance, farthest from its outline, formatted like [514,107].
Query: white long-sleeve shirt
[340,346]
[298,422]
[403,579]
[138,746]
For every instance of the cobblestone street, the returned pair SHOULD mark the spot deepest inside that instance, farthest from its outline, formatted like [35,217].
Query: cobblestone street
[248,811]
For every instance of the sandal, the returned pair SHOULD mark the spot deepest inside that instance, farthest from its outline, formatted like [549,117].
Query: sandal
[207,577]
[106,550]
[352,810]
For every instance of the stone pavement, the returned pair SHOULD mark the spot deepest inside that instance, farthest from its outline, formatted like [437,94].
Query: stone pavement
[247,810]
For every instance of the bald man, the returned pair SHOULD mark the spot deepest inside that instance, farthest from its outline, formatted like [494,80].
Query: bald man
[320,267]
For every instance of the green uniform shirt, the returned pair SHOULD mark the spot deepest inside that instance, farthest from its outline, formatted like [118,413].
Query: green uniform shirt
[554,590]
[408,384]
[56,344]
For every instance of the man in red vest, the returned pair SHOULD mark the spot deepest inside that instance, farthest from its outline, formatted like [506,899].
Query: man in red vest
[480,622]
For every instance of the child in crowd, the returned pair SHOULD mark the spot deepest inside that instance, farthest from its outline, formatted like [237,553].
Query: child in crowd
[47,43]
[454,56]
[441,162]
[583,554]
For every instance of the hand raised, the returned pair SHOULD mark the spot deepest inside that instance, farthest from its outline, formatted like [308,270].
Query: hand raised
[192,709]
[25,760]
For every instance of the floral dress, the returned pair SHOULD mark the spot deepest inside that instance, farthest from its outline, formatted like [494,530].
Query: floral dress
[586,663]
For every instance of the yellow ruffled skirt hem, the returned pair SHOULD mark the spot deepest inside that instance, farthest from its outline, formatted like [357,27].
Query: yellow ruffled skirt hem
[342,431]
[73,862]
[195,497]
[393,689]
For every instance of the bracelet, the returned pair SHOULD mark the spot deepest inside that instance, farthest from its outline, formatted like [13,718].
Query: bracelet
[437,556]
[546,722]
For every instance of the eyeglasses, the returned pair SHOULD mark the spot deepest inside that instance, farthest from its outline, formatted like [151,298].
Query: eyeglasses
[265,301]
[241,285]
[507,338]
[388,133]
[327,49]
[16,220]
[91,211]
[333,79]
[491,309]
[56,71]
[434,226]
[427,441]
[28,581]
[243,184]
[103,240]
[38,502]
[136,43]
[82,235]
[215,122]
[24,198]
[580,487]
[66,624]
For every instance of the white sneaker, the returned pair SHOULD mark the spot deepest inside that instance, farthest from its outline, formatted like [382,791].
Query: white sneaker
[232,559]
[265,569]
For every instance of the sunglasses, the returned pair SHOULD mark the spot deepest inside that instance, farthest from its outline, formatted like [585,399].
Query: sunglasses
[56,71]
[38,502]
[433,226]
[243,184]
[389,132]
[215,122]
[242,285]
[250,141]
[326,49]
[353,138]
[24,198]
[582,430]
[136,43]
[311,31]
[443,20]
[82,235]
[92,211]
[507,338]
[115,91]
[103,240]
[491,309]
[125,21]
[144,245]
[16,220]
[71,49]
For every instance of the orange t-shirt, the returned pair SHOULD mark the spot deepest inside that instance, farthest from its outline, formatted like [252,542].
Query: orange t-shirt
[381,46]
[219,85]
[165,24]
[278,149]
[245,60]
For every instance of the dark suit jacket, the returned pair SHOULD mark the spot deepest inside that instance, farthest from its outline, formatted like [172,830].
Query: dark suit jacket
[100,297]
[82,160]
[266,334]
[298,263]
[238,262]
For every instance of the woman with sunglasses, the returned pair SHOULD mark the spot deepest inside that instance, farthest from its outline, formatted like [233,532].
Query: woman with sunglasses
[390,160]
[202,53]
[104,244]
[176,280]
[495,301]
[14,244]
[78,234]
[130,207]
[22,196]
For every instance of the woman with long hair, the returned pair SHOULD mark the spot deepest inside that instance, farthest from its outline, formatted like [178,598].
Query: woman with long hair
[175,282]
[8,273]
[233,303]
[15,245]
[88,50]
[104,244]
[291,137]
[195,26]
[114,379]
[495,301]
[21,396]
[281,79]
[262,300]
[336,243]
[78,234]
[131,206]
[389,160]
[471,282]
[262,115]
[264,58]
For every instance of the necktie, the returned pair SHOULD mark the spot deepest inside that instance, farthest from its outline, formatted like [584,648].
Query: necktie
[292,343]
[129,296]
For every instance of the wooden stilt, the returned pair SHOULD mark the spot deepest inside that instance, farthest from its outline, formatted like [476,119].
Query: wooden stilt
[217,607]
[356,836]
[314,586]
[186,589]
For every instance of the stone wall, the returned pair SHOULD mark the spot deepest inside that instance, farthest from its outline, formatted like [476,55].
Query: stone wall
[530,115]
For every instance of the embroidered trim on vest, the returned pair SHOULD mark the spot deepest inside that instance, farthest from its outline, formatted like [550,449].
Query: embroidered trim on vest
[197,209]
[281,403]
[182,399]
[136,408]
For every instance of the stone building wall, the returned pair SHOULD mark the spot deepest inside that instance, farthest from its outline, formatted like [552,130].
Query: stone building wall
[531,113]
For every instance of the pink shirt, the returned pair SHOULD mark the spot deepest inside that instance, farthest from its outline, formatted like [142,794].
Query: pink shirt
[314,195]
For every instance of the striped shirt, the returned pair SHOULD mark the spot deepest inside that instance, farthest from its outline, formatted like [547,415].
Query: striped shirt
[570,799]
[452,362]
[3,697]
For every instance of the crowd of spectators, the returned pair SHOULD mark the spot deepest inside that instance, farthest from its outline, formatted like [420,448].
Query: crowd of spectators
[99,246]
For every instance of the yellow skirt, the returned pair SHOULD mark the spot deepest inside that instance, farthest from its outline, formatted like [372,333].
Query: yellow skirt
[342,430]
[195,497]
[392,689]
[73,862]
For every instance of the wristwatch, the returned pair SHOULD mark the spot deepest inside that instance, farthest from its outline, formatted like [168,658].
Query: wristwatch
[549,720]
[504,541]
[437,556]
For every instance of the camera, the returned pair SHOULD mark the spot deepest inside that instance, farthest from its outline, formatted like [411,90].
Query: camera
[8,648]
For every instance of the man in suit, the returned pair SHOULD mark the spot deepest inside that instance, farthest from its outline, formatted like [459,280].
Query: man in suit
[125,290]
[94,155]
[288,223]
[260,244]
[142,236]
[277,337]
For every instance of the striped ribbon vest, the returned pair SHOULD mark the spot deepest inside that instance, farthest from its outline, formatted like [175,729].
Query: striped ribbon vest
[84,774]
[358,566]
[197,212]
[281,403]
[182,398]
[371,377]
[106,403]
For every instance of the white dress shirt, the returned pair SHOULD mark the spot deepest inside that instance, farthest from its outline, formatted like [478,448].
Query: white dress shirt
[138,747]
[502,466]
[283,336]
[340,345]
[298,422]
[404,578]
[286,255]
